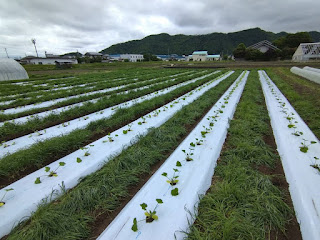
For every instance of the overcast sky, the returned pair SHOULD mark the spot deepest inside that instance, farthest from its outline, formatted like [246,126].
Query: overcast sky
[61,26]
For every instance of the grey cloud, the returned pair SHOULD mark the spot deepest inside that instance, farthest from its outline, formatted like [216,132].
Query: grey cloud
[67,25]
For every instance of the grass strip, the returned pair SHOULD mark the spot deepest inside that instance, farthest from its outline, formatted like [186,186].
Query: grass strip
[11,130]
[133,85]
[242,202]
[71,215]
[80,79]
[21,163]
[302,94]
[21,101]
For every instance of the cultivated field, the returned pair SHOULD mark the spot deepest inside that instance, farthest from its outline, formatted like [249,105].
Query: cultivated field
[160,153]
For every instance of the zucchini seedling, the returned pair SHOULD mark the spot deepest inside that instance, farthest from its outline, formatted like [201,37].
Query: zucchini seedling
[150,215]
[172,181]
[199,141]
[304,147]
[6,191]
[315,165]
[51,173]
[188,155]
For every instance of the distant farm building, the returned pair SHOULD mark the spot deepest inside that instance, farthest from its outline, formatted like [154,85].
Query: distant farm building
[93,54]
[203,56]
[11,70]
[306,52]
[264,46]
[171,57]
[132,57]
[48,60]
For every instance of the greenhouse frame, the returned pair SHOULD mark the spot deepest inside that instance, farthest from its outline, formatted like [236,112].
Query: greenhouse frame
[306,52]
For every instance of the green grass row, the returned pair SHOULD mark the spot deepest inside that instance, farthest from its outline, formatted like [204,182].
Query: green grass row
[103,84]
[302,94]
[242,202]
[74,213]
[90,79]
[133,85]
[21,163]
[79,79]
[11,130]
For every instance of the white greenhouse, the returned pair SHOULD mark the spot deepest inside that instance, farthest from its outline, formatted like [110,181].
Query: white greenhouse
[306,52]
[11,70]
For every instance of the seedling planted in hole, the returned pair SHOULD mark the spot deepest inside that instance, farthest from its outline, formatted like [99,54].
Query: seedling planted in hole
[188,155]
[86,151]
[172,181]
[297,133]
[6,191]
[315,165]
[304,148]
[150,215]
[199,141]
[51,173]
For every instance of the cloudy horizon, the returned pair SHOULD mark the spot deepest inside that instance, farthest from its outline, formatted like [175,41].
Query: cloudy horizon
[78,25]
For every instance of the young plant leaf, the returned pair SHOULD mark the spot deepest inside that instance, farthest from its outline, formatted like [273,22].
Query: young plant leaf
[62,163]
[144,206]
[175,192]
[155,217]
[79,160]
[178,164]
[135,225]
[47,169]
[159,200]
[192,144]
[164,174]
[125,131]
[37,181]
[304,149]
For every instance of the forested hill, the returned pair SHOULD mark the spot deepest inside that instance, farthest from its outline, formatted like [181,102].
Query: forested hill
[214,43]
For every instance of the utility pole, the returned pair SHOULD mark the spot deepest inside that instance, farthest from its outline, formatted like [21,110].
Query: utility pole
[33,40]
[6,52]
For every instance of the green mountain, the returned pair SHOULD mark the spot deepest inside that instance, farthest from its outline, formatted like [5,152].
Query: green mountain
[214,43]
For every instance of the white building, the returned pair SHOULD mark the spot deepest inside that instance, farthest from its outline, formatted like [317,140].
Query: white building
[306,52]
[203,56]
[264,46]
[48,61]
[132,57]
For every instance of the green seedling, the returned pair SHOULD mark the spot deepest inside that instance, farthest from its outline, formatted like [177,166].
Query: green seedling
[150,215]
[178,164]
[172,181]
[125,131]
[304,146]
[79,160]
[129,127]
[199,141]
[51,173]
[6,191]
[192,144]
[297,133]
[86,151]
[188,155]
